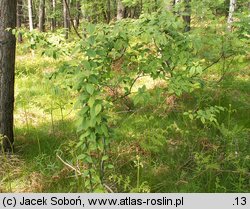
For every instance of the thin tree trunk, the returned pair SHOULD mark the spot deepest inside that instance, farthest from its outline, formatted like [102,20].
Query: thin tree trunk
[66,18]
[8,15]
[30,15]
[187,16]
[232,8]
[108,11]
[53,19]
[95,15]
[78,14]
[120,10]
[19,18]
[42,16]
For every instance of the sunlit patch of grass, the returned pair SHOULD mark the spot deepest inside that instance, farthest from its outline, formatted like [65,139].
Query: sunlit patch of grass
[42,123]
[28,65]
[149,82]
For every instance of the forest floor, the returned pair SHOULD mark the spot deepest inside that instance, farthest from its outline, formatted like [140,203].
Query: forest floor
[154,146]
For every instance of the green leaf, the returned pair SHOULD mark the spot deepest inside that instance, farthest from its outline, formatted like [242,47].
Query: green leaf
[81,157]
[79,144]
[192,71]
[87,133]
[90,89]
[92,112]
[110,166]
[92,122]
[191,116]
[98,109]
[105,157]
[90,53]
[91,40]
[86,65]
[83,110]
[104,129]
[89,159]
[91,101]
[92,137]
[85,124]
[90,29]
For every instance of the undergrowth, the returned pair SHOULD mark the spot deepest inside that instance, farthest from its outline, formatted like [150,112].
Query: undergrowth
[155,146]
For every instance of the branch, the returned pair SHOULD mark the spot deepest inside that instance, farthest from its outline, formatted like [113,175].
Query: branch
[122,54]
[68,165]
[213,63]
[130,89]
[71,20]
[108,188]
[166,61]
[224,74]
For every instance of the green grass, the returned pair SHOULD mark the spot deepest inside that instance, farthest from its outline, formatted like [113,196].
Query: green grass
[184,156]
[175,153]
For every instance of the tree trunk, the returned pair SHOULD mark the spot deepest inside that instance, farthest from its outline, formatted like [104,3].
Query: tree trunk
[120,10]
[187,16]
[7,68]
[78,14]
[30,15]
[42,16]
[108,11]
[66,18]
[19,18]
[53,19]
[232,8]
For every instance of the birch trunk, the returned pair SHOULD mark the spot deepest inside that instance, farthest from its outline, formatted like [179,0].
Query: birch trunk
[30,15]
[232,8]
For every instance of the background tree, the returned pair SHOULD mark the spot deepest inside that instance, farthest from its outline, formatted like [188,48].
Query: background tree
[30,15]
[53,15]
[7,66]
[108,12]
[232,8]
[120,10]
[66,23]
[78,14]
[42,15]
[19,18]
[187,15]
